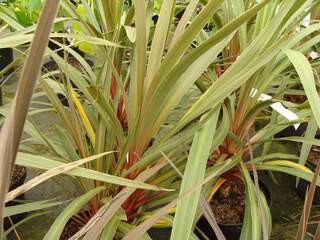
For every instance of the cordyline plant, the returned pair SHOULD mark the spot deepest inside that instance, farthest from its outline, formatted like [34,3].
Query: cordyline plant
[258,59]
[141,80]
[121,107]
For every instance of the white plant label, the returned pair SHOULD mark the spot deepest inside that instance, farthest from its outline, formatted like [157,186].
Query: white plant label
[278,107]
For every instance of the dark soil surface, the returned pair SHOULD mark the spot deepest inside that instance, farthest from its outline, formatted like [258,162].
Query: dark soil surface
[52,66]
[228,203]
[298,99]
[18,173]
[70,229]
[314,155]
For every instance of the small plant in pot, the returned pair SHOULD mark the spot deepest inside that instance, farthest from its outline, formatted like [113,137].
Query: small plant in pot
[242,108]
[228,206]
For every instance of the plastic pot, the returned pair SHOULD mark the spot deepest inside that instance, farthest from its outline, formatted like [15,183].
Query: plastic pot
[6,57]
[230,231]
[160,233]
[303,185]
[71,228]
[63,99]
[15,218]
[20,182]
[291,131]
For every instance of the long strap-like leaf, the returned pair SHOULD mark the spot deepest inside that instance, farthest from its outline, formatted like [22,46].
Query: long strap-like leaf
[13,126]
[194,173]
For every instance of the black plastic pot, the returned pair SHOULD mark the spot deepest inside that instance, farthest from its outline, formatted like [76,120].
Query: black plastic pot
[20,182]
[230,231]
[6,57]
[303,185]
[16,218]
[291,131]
[159,233]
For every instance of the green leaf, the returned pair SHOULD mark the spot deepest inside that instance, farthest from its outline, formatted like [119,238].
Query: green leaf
[13,22]
[131,33]
[24,18]
[273,156]
[66,144]
[44,163]
[126,227]
[29,207]
[304,70]
[288,170]
[140,53]
[16,40]
[180,46]
[183,23]
[306,147]
[231,80]
[89,13]
[111,229]
[23,221]
[252,204]
[158,4]
[159,39]
[35,5]
[166,99]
